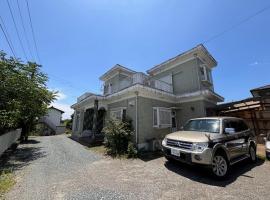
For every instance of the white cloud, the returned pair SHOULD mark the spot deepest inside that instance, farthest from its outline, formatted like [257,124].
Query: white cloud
[254,63]
[259,63]
[58,103]
[65,107]
[61,96]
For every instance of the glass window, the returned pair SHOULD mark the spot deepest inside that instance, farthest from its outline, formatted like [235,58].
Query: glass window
[203,125]
[155,121]
[238,125]
[116,114]
[162,117]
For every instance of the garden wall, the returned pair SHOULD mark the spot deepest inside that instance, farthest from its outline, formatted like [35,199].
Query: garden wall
[8,139]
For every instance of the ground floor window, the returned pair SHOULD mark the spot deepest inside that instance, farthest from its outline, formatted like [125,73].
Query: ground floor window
[118,113]
[162,117]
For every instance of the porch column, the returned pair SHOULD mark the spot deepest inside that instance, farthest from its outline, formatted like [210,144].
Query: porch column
[74,121]
[94,129]
[81,119]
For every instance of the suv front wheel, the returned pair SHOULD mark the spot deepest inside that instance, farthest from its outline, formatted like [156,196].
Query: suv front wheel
[220,166]
[252,154]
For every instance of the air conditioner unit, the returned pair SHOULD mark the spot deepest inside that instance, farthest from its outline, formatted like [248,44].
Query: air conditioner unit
[155,145]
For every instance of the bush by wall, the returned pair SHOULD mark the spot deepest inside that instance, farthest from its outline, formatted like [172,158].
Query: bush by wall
[118,135]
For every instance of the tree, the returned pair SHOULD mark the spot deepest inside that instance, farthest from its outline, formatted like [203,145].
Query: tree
[24,96]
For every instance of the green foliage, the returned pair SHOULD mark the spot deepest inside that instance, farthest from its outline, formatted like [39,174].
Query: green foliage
[68,123]
[6,181]
[24,96]
[117,137]
[132,152]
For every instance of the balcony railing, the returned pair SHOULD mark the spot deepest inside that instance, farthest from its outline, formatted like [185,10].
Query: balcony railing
[143,79]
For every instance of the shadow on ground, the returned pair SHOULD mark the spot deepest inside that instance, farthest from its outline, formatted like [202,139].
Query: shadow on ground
[148,156]
[21,157]
[203,175]
[31,141]
[86,141]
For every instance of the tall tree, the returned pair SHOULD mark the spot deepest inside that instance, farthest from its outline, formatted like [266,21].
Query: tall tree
[24,96]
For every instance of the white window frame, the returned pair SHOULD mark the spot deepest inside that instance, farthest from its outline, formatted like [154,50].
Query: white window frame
[207,75]
[119,109]
[158,110]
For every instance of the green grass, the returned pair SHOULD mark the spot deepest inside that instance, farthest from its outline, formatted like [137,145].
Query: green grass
[6,182]
[101,149]
[98,149]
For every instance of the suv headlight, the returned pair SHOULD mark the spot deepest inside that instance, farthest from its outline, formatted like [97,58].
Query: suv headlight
[164,142]
[200,146]
[268,145]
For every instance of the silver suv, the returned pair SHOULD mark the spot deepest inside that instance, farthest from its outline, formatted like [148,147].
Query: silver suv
[217,142]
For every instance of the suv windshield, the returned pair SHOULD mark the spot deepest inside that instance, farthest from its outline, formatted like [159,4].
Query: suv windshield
[203,125]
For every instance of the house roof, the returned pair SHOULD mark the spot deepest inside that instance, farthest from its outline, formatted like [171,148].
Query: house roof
[199,51]
[116,69]
[56,109]
[261,88]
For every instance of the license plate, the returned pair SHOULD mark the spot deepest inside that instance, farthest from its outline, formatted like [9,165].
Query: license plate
[175,152]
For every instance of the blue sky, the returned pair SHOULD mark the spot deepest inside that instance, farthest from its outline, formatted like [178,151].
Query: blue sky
[78,40]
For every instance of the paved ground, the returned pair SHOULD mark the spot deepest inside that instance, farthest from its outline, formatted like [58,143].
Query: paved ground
[58,168]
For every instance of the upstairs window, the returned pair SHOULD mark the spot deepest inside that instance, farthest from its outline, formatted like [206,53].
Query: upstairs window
[162,117]
[205,73]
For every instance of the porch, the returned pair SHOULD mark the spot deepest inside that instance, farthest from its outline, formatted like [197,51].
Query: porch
[89,120]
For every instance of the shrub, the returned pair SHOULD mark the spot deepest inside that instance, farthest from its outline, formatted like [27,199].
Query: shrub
[132,152]
[6,182]
[117,137]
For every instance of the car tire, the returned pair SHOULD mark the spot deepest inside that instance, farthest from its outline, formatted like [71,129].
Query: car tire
[252,154]
[169,159]
[220,166]
[267,156]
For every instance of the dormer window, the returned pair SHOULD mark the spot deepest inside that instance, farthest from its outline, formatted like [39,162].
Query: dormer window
[205,73]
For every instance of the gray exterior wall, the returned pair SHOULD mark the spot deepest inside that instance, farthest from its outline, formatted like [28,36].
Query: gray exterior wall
[188,111]
[146,130]
[184,77]
[131,110]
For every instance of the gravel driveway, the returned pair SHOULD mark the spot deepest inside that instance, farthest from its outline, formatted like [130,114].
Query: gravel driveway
[56,167]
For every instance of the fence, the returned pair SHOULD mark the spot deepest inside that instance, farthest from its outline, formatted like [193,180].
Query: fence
[8,139]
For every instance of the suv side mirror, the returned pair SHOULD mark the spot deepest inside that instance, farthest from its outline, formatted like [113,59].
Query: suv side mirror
[229,130]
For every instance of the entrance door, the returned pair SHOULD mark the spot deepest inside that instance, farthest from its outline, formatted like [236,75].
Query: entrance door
[174,125]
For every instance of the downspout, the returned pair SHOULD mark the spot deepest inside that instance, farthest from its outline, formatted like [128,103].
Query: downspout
[136,121]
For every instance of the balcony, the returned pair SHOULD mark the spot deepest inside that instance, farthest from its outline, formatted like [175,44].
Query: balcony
[139,78]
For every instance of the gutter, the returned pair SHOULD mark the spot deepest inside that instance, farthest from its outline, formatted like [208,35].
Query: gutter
[136,122]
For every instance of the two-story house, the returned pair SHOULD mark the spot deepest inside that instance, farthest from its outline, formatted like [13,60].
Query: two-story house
[158,102]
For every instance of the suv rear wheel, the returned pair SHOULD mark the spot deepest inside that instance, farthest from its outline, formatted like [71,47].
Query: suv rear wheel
[220,166]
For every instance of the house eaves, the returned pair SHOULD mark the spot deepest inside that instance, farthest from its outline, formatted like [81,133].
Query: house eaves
[116,69]
[199,52]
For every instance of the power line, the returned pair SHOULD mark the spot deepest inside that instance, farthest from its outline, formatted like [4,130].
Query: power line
[237,24]
[24,30]
[32,29]
[18,35]
[4,30]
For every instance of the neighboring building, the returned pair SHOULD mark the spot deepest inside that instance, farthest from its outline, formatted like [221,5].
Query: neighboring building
[158,102]
[255,110]
[50,124]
